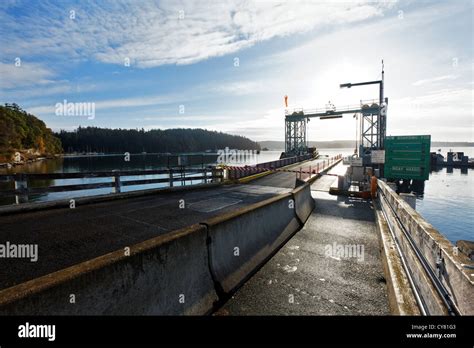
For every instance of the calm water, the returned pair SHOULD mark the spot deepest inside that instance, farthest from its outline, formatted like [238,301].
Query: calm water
[447,203]
[116,162]
[448,200]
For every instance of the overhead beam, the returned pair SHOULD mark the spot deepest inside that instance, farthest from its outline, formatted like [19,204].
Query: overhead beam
[298,116]
[349,85]
[330,116]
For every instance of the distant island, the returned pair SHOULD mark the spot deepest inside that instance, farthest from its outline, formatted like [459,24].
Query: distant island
[339,144]
[452,144]
[104,140]
[24,137]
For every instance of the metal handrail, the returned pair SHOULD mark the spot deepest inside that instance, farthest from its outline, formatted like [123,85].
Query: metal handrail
[186,174]
[103,174]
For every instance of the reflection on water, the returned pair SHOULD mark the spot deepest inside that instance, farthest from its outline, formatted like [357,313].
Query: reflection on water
[448,202]
[102,163]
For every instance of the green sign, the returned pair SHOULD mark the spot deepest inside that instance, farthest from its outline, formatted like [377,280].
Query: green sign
[407,157]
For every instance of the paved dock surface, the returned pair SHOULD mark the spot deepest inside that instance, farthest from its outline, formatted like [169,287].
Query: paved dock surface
[69,236]
[66,236]
[309,277]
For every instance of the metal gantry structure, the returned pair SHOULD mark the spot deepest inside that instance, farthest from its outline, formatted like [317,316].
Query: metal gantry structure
[373,121]
[295,134]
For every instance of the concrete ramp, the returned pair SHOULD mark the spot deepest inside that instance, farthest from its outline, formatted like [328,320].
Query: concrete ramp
[183,272]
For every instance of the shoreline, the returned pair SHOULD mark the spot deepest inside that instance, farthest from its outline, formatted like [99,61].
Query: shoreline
[27,161]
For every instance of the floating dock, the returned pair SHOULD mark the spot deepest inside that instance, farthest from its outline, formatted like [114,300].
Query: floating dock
[453,159]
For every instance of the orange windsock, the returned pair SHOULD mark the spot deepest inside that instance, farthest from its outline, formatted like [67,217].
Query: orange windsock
[286,101]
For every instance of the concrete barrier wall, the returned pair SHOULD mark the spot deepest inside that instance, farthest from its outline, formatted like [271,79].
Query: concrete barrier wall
[439,253]
[242,241]
[165,275]
[182,272]
[304,203]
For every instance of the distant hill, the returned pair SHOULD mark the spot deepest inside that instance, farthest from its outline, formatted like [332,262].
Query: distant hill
[93,139]
[337,144]
[24,133]
[452,144]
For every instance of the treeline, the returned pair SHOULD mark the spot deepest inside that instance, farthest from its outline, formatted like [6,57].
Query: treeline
[93,139]
[23,132]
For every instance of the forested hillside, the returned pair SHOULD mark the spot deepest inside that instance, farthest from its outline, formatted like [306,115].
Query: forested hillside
[92,139]
[24,133]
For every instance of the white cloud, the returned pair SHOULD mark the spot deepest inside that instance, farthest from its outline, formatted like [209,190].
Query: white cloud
[418,62]
[434,79]
[238,88]
[455,98]
[152,33]
[113,103]
[268,125]
[179,118]
[445,114]
[26,74]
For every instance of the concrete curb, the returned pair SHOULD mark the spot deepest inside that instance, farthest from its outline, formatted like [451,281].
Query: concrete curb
[252,177]
[400,295]
[64,203]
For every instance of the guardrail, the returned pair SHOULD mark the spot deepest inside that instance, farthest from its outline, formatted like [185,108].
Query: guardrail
[235,172]
[22,188]
[238,172]
[441,277]
[283,162]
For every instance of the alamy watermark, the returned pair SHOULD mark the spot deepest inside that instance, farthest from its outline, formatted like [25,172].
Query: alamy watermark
[344,251]
[28,330]
[84,109]
[19,251]
[236,156]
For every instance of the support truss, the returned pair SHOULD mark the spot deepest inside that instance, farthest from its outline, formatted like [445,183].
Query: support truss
[295,136]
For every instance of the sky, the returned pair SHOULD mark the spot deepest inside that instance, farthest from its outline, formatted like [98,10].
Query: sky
[227,65]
